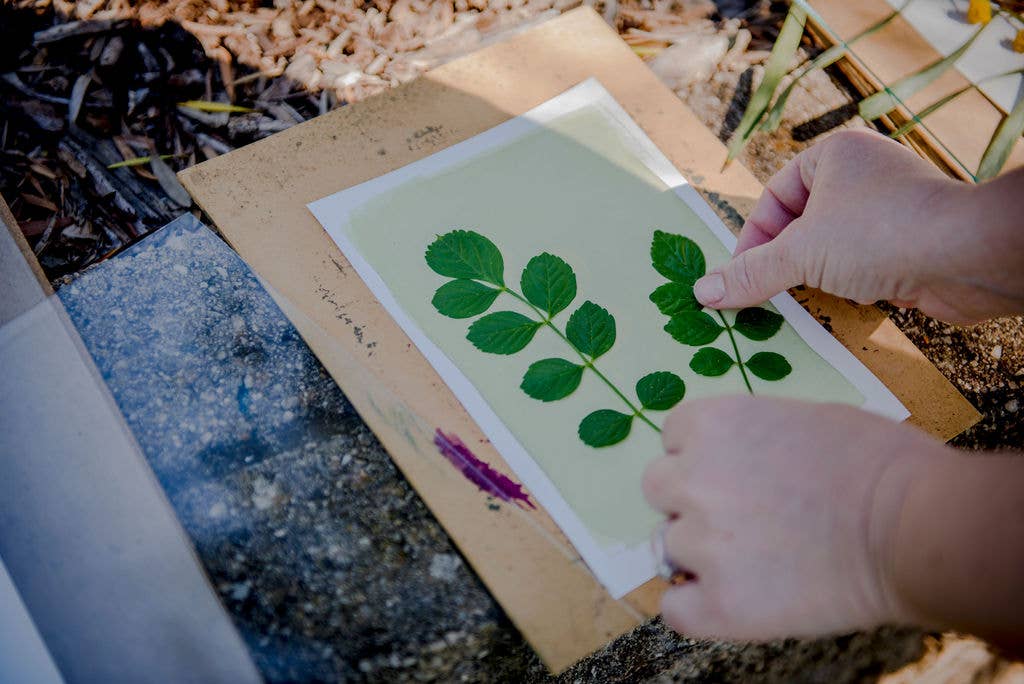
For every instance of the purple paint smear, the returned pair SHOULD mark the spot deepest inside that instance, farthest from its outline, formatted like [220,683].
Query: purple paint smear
[478,472]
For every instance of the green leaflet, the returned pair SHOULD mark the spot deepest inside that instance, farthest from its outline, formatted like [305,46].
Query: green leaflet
[999,147]
[504,332]
[604,428]
[591,330]
[756,323]
[660,391]
[677,258]
[694,328]
[917,118]
[551,379]
[769,366]
[885,101]
[778,63]
[711,362]
[548,283]
[675,298]
[463,298]
[466,254]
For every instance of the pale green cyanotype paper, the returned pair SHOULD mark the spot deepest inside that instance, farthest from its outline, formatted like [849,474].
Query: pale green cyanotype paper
[573,189]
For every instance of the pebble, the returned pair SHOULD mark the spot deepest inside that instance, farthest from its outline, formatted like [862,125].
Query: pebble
[264,493]
[997,351]
[443,566]
[1012,405]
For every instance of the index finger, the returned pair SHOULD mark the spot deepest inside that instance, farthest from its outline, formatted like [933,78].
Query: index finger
[784,199]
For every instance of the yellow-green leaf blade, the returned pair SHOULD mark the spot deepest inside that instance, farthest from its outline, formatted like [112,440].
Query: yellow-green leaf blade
[215,107]
[1002,142]
[778,64]
[885,101]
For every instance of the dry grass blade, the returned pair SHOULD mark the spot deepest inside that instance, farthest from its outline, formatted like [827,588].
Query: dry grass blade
[1003,140]
[78,96]
[140,161]
[169,182]
[216,107]
[918,117]
[778,64]
[825,59]
[883,102]
[910,125]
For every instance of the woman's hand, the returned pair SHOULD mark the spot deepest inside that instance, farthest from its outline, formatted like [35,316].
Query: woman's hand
[787,514]
[860,216]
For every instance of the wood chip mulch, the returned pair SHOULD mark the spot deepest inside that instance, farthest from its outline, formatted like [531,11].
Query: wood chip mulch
[87,86]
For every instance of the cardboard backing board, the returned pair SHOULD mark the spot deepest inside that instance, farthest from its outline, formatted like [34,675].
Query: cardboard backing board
[954,136]
[257,195]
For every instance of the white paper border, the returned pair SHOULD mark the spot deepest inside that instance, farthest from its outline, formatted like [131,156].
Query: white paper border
[620,569]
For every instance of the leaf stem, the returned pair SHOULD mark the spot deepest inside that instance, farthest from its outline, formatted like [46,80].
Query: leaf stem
[589,363]
[735,348]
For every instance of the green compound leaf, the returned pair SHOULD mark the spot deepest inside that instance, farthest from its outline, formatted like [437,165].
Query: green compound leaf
[694,328]
[677,258]
[463,298]
[548,283]
[711,362]
[660,391]
[551,379]
[756,323]
[591,330]
[504,332]
[675,298]
[604,428]
[466,254]
[768,366]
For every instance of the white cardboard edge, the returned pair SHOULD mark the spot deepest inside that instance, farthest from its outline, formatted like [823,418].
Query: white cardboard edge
[619,568]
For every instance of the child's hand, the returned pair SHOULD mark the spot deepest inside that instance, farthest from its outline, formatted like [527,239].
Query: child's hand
[787,513]
[860,216]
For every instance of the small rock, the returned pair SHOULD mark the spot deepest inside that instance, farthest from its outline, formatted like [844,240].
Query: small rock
[997,351]
[240,591]
[443,566]
[1012,405]
[691,59]
[264,494]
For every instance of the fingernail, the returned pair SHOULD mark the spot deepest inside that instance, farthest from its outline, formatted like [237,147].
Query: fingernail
[710,289]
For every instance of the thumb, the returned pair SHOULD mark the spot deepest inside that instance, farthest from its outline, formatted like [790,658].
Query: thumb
[751,277]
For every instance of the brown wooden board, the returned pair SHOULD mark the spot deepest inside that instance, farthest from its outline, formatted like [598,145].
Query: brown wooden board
[257,197]
[956,135]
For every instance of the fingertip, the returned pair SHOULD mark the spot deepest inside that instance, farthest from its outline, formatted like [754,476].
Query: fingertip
[653,482]
[710,290]
[680,608]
